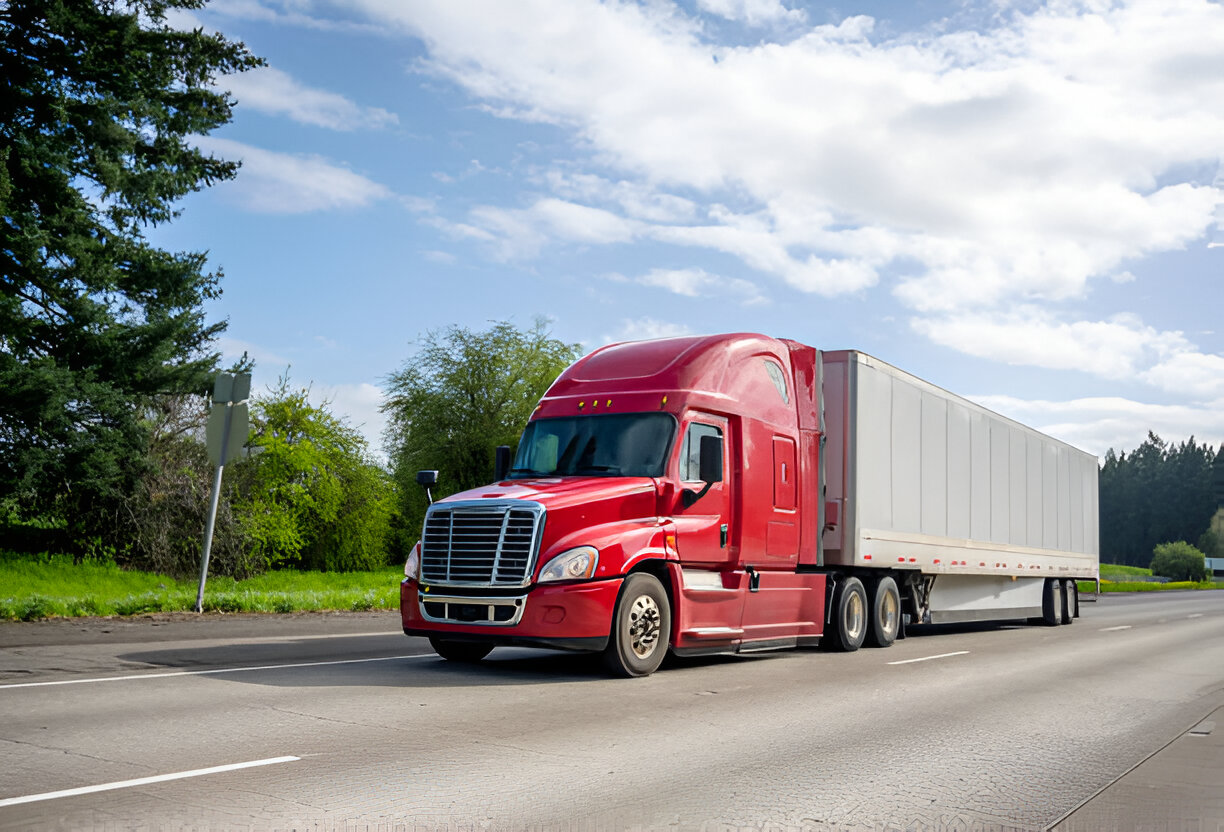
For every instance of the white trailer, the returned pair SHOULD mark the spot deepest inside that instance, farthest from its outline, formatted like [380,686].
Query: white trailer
[986,518]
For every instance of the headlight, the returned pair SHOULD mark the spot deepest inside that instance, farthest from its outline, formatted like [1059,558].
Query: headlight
[571,565]
[412,566]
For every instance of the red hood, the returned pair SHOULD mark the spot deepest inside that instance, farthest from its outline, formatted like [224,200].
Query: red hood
[562,492]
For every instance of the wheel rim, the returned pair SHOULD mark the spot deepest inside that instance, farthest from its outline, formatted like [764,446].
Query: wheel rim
[854,616]
[644,620]
[888,613]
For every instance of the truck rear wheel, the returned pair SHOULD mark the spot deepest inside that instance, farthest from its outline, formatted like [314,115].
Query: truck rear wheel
[849,622]
[1053,602]
[468,652]
[885,613]
[1070,601]
[640,627]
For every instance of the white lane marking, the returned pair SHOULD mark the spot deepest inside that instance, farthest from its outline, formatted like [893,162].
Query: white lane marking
[1114,629]
[928,658]
[143,781]
[209,672]
[1195,615]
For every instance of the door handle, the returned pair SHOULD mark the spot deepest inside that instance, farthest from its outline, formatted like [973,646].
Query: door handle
[722,536]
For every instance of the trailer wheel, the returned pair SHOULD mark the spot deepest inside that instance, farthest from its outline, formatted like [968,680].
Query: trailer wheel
[1070,601]
[849,616]
[467,652]
[1053,602]
[885,613]
[640,627]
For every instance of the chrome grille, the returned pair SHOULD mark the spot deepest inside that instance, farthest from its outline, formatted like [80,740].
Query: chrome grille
[481,543]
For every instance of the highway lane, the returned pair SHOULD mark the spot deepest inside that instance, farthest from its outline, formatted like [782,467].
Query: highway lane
[1010,727]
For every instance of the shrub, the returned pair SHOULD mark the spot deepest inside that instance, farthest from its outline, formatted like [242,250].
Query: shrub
[1179,562]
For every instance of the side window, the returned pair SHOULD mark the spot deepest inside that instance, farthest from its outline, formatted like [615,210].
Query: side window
[690,455]
[778,378]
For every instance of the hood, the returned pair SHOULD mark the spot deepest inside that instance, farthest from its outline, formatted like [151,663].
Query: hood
[563,492]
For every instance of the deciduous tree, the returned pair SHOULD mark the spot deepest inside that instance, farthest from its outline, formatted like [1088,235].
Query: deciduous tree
[463,394]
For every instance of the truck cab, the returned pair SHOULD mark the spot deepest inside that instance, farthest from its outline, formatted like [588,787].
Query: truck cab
[637,515]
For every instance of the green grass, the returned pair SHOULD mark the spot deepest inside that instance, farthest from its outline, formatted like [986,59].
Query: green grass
[1114,579]
[1114,570]
[53,586]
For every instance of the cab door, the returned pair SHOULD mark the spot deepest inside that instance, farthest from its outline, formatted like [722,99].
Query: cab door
[703,532]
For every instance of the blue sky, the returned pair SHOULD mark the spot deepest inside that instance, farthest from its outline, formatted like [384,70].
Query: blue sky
[1020,202]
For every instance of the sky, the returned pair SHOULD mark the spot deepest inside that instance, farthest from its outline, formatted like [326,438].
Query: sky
[1020,202]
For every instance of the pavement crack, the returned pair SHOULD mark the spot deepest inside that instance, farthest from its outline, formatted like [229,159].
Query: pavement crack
[355,723]
[68,751]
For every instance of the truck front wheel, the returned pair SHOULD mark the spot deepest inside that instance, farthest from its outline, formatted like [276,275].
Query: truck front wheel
[468,652]
[640,627]
[849,616]
[885,613]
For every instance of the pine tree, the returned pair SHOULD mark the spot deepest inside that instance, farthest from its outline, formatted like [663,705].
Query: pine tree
[102,97]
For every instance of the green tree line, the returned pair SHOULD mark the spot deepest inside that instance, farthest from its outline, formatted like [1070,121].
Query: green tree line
[1158,493]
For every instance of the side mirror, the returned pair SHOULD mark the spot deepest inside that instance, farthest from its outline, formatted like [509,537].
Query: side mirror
[501,463]
[427,480]
[710,464]
[709,468]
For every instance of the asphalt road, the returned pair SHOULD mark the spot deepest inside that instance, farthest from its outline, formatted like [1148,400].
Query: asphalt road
[349,724]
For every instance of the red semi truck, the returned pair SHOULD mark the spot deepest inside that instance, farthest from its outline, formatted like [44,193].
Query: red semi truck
[736,493]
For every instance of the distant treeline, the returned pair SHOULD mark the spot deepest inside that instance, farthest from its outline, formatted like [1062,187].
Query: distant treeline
[1158,493]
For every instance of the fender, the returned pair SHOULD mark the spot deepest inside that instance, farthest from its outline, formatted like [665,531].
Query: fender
[622,545]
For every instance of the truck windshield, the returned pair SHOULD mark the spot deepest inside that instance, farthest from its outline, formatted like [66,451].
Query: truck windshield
[629,445]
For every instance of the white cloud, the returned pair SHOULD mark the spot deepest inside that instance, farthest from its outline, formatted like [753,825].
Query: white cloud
[283,183]
[1020,163]
[1098,424]
[1193,374]
[637,200]
[694,283]
[272,91]
[642,329]
[358,405]
[752,12]
[1117,348]
[267,362]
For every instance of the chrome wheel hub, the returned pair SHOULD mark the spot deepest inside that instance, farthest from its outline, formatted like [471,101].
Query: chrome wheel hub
[854,616]
[644,621]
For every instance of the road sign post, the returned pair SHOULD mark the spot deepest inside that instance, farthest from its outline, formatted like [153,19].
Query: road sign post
[228,423]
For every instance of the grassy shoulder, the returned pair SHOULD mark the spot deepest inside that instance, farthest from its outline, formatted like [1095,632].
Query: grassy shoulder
[53,586]
[1114,578]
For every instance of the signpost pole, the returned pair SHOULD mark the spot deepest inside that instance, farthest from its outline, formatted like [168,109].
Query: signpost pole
[228,424]
[212,512]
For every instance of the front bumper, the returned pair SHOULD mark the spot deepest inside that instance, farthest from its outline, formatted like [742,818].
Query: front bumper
[574,616]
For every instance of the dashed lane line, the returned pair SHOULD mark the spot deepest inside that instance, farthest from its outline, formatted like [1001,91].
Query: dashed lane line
[211,671]
[928,658]
[1115,629]
[143,781]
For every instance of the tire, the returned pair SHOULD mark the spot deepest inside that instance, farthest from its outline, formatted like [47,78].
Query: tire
[885,622]
[1070,601]
[850,621]
[1053,602]
[467,652]
[641,627]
